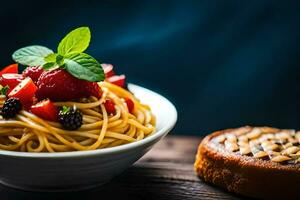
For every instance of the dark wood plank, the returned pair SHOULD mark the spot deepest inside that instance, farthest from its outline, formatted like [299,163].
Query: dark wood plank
[166,172]
[174,149]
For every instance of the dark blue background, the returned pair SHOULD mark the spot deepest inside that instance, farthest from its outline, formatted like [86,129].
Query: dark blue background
[223,63]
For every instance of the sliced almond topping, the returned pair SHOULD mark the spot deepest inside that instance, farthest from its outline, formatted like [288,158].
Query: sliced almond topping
[265,137]
[277,145]
[283,135]
[280,158]
[269,146]
[290,131]
[290,150]
[221,139]
[243,143]
[243,138]
[287,145]
[255,133]
[245,150]
[260,154]
[231,138]
[269,130]
[230,146]
[241,131]
[273,154]
[266,143]
[254,147]
[295,156]
[270,136]
[292,140]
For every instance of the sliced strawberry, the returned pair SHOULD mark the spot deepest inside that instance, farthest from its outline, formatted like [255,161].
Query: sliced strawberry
[10,80]
[46,110]
[117,80]
[108,70]
[24,91]
[13,68]
[130,104]
[110,106]
[33,72]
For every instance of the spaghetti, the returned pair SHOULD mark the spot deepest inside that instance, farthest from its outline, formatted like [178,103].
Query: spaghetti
[30,133]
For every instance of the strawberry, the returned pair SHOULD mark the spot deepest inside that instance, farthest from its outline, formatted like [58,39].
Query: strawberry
[33,72]
[10,80]
[130,104]
[13,68]
[59,85]
[110,106]
[93,89]
[46,110]
[117,80]
[108,70]
[24,91]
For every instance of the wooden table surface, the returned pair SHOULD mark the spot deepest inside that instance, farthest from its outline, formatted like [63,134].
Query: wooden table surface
[166,172]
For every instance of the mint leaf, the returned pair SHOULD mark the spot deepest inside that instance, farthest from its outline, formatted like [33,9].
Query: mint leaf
[60,60]
[4,90]
[84,67]
[50,65]
[31,55]
[50,58]
[65,110]
[75,42]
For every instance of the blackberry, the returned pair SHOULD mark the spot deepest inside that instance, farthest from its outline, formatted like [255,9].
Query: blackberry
[11,108]
[70,119]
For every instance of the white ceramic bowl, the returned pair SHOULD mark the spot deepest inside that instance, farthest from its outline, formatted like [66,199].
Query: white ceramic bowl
[84,169]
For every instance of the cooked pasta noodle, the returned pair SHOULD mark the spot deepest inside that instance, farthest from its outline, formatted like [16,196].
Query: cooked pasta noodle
[30,133]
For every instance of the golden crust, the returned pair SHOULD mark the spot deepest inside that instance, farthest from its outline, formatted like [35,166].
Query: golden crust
[243,174]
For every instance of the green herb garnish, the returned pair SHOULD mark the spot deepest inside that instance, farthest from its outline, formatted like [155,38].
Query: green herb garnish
[4,90]
[69,56]
[65,110]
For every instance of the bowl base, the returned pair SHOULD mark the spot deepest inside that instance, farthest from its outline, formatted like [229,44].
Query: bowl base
[37,189]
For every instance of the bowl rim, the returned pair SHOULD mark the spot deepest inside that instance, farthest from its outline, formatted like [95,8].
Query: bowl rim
[170,123]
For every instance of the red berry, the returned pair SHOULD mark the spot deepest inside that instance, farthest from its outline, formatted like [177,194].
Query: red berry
[110,106]
[93,89]
[46,110]
[24,91]
[108,70]
[130,104]
[117,80]
[33,72]
[13,68]
[10,80]
[59,85]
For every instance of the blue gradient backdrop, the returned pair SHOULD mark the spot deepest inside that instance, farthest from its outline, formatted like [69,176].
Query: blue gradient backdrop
[223,63]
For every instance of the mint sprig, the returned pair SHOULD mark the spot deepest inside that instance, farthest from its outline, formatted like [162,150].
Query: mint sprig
[77,41]
[82,66]
[4,90]
[32,55]
[65,110]
[69,56]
